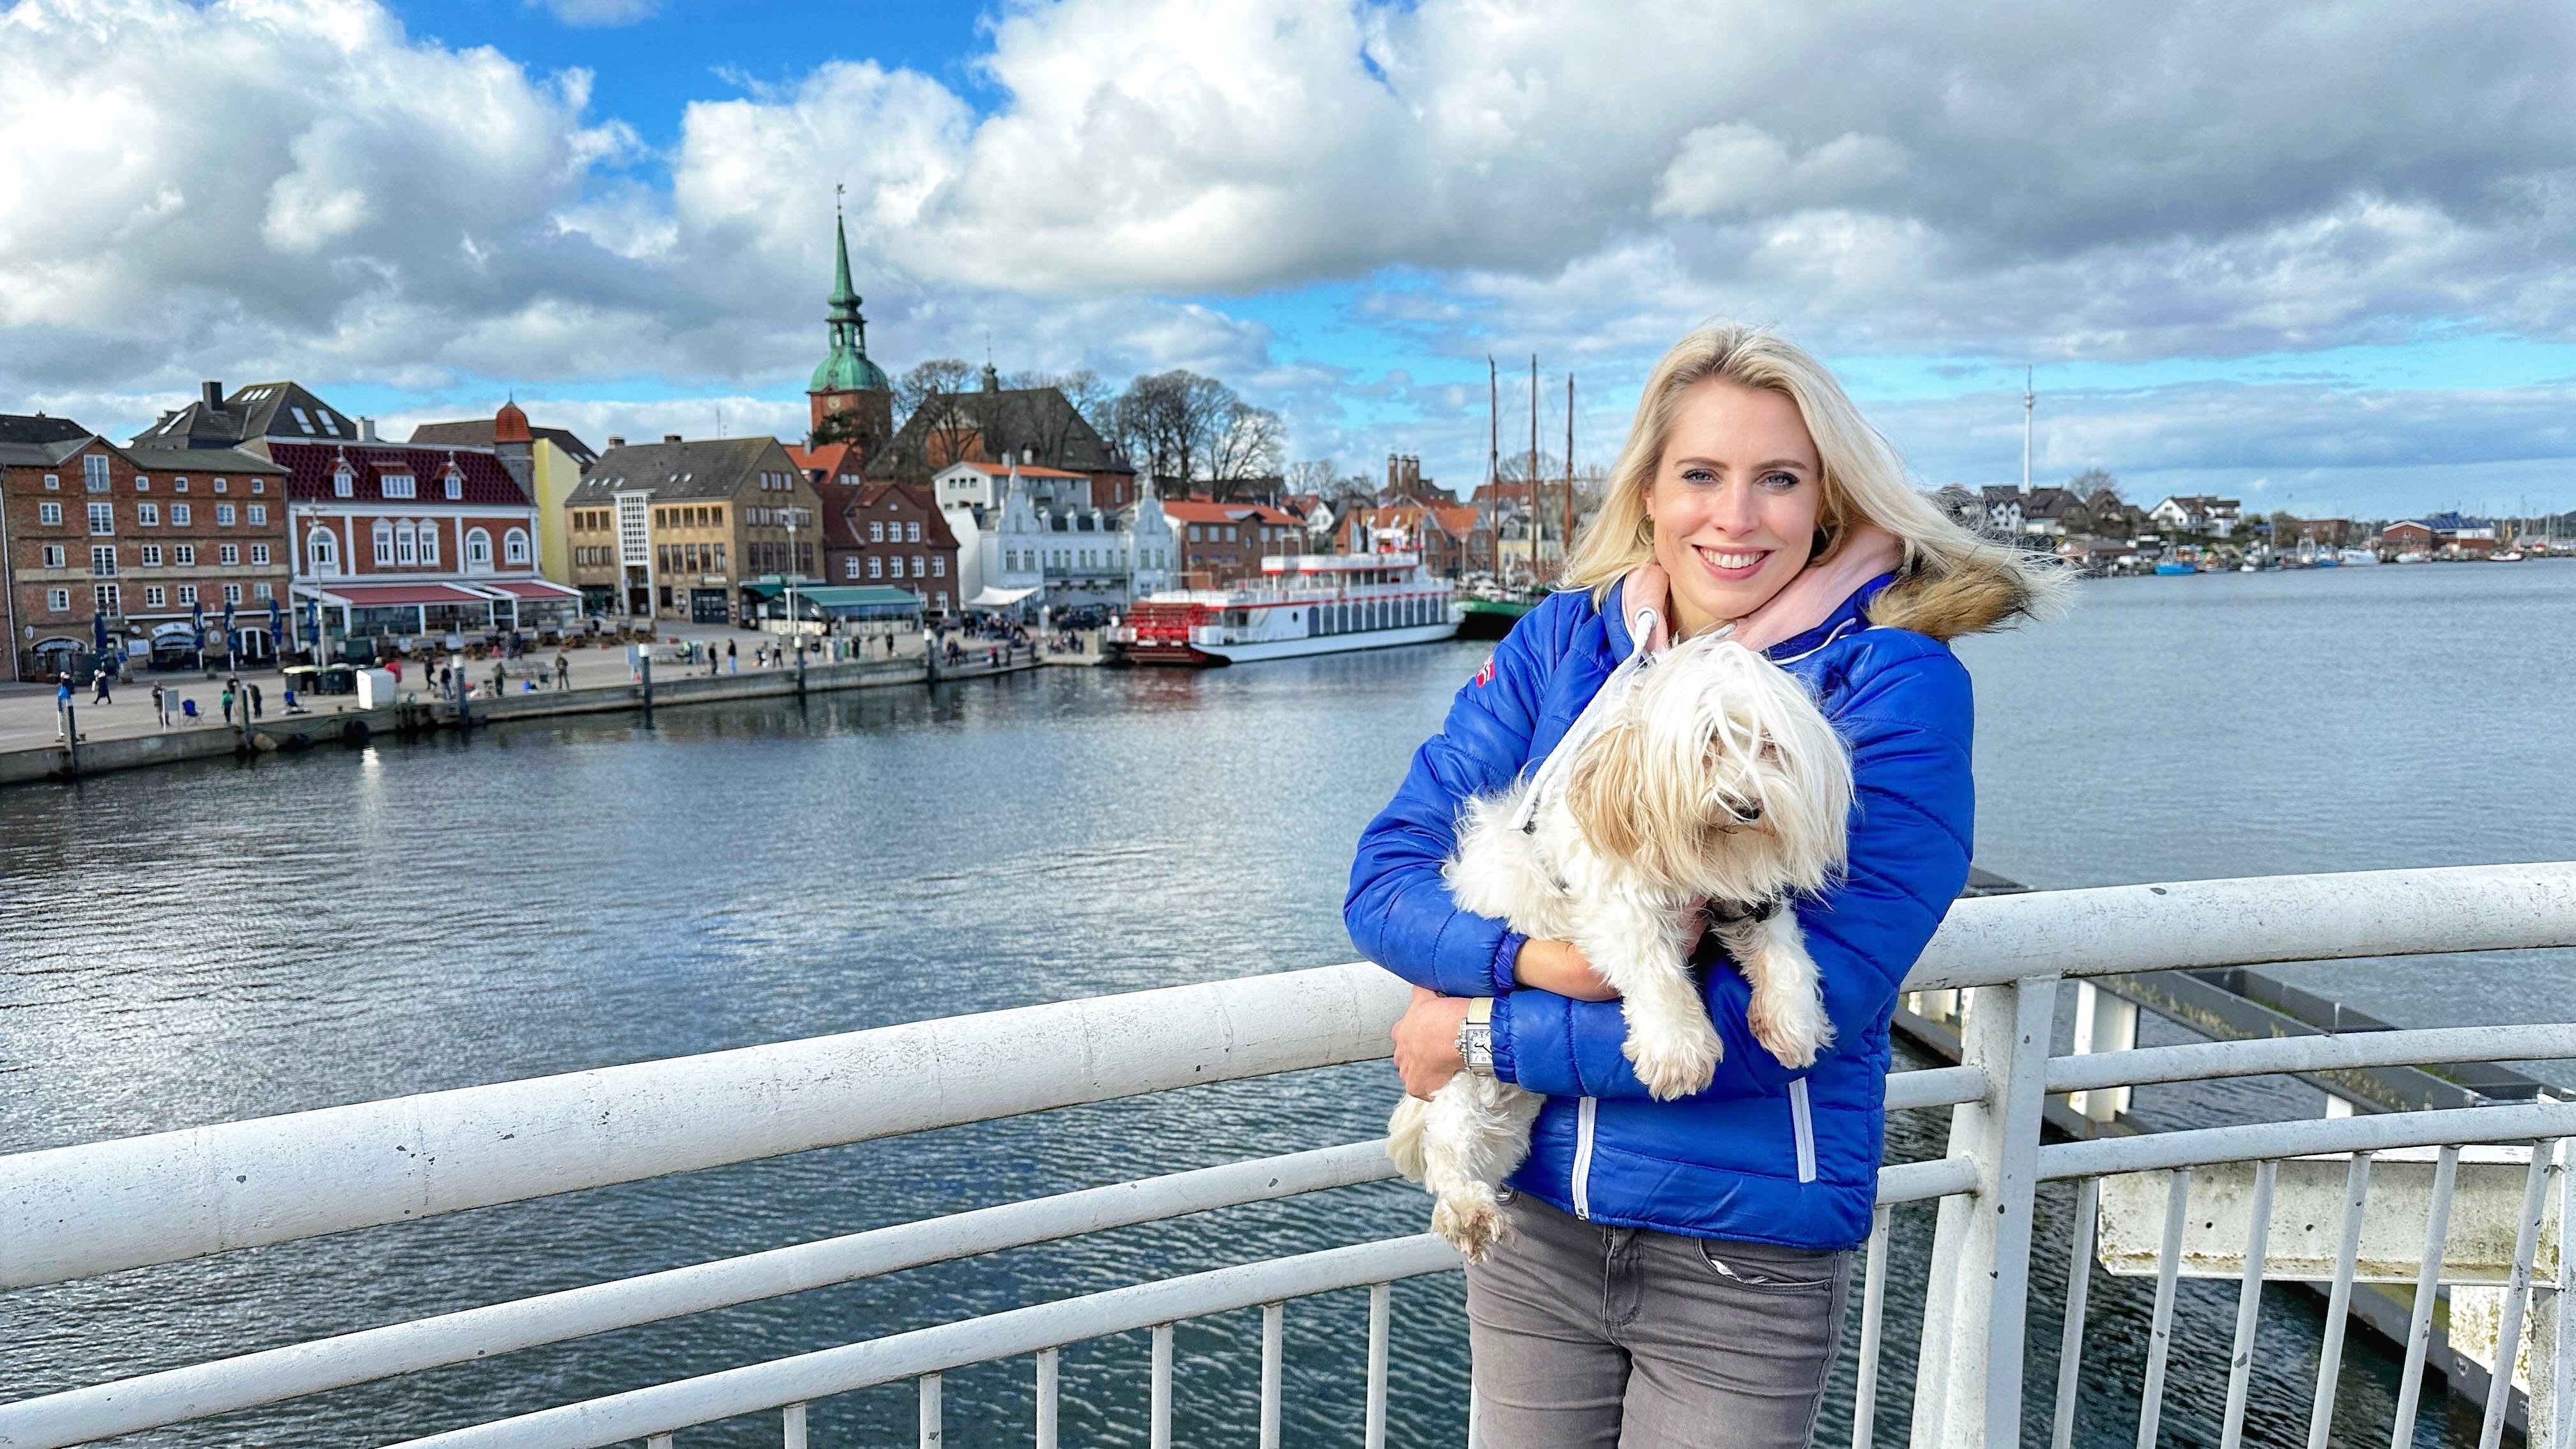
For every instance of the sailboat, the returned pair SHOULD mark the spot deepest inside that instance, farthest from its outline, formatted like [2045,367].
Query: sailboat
[1488,610]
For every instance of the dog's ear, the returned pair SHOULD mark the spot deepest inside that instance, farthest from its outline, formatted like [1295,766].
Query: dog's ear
[1604,792]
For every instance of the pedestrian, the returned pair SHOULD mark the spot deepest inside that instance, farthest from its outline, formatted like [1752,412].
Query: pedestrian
[733,660]
[500,679]
[63,707]
[228,704]
[563,669]
[446,678]
[160,707]
[98,694]
[257,707]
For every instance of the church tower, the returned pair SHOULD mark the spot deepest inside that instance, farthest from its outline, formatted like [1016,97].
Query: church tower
[850,400]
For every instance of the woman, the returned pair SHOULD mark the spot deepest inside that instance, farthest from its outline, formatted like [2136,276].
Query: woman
[1675,1272]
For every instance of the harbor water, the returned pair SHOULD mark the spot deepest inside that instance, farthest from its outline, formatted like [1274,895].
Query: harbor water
[210,942]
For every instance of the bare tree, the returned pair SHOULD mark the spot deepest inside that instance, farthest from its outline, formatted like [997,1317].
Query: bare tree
[935,393]
[1313,475]
[1247,446]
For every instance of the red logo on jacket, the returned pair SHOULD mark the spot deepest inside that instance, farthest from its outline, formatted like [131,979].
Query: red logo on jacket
[1485,675]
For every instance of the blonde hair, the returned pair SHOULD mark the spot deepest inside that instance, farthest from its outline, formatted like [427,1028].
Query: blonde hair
[1863,479]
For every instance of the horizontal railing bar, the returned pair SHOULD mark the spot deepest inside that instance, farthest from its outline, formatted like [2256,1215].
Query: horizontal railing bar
[1934,1087]
[2201,1061]
[1915,1181]
[76,1211]
[753,1388]
[2257,1141]
[2250,921]
[221,1386]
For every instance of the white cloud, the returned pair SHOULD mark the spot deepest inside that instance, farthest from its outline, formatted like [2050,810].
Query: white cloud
[597,13]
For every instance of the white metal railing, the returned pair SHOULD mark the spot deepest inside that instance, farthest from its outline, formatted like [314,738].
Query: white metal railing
[75,1212]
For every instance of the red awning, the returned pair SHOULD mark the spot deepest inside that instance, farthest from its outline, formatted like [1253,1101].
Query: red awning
[529,588]
[371,596]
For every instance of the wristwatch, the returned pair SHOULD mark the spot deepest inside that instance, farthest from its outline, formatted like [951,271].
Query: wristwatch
[1476,1037]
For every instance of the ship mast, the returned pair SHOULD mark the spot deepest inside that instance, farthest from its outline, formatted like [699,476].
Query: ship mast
[1565,540]
[2029,399]
[1494,458]
[1533,469]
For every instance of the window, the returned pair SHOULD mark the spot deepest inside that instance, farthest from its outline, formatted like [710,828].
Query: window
[1194,533]
[54,556]
[940,600]
[720,563]
[384,536]
[142,484]
[514,546]
[875,566]
[53,482]
[156,597]
[939,566]
[59,600]
[187,595]
[1229,533]
[102,561]
[184,555]
[232,593]
[259,485]
[102,518]
[260,592]
[920,567]
[876,530]
[478,549]
[912,533]
[344,484]
[178,515]
[715,517]
[105,596]
[850,567]
[455,485]
[259,553]
[406,552]
[49,514]
[258,513]
[219,485]
[152,555]
[94,473]
[229,555]
[223,515]
[177,485]
[321,547]
[398,485]
[429,545]
[147,515]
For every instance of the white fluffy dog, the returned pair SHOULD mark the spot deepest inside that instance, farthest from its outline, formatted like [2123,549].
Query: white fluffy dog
[1702,775]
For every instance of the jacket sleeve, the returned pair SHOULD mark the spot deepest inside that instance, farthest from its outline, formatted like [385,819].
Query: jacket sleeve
[1913,826]
[1398,907]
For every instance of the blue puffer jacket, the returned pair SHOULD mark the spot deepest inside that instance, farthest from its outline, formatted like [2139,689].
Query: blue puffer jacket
[1766,1154]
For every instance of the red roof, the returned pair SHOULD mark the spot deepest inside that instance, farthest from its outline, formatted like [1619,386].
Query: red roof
[1200,510]
[1025,470]
[311,466]
[828,460]
[510,425]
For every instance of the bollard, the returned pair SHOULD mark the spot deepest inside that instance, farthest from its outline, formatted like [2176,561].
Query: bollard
[647,668]
[71,738]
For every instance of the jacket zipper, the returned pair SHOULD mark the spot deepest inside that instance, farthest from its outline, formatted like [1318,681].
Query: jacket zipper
[1803,1124]
[1582,1185]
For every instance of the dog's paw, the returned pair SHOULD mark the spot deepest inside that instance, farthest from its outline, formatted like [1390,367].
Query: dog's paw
[1675,1060]
[1791,1025]
[1474,1226]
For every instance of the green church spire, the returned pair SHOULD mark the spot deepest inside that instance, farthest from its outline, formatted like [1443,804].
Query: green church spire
[847,368]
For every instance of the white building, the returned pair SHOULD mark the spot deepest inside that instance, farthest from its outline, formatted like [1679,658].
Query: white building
[979,484]
[1037,536]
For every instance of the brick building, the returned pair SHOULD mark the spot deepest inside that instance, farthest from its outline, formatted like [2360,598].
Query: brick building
[136,545]
[1452,538]
[1223,543]
[891,534]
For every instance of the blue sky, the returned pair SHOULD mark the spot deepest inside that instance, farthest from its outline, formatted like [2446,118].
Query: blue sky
[2320,254]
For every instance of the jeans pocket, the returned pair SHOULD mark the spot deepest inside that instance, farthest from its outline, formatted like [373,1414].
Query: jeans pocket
[1752,1272]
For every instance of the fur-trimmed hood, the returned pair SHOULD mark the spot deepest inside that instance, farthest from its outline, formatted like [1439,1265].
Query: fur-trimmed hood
[1984,590]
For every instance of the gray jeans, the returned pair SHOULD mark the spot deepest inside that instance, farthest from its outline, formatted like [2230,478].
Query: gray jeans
[1591,1337]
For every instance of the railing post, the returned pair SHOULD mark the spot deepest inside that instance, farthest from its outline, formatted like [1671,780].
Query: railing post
[1967,1388]
[2103,1023]
[2552,1361]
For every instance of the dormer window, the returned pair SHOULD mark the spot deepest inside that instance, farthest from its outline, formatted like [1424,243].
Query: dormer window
[399,485]
[344,482]
[455,483]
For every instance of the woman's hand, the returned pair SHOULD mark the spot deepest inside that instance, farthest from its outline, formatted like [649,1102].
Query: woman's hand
[1426,1042]
[1559,966]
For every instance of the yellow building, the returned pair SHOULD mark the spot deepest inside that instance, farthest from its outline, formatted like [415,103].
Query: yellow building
[548,463]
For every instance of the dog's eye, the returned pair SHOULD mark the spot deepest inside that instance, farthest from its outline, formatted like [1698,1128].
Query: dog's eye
[1745,810]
